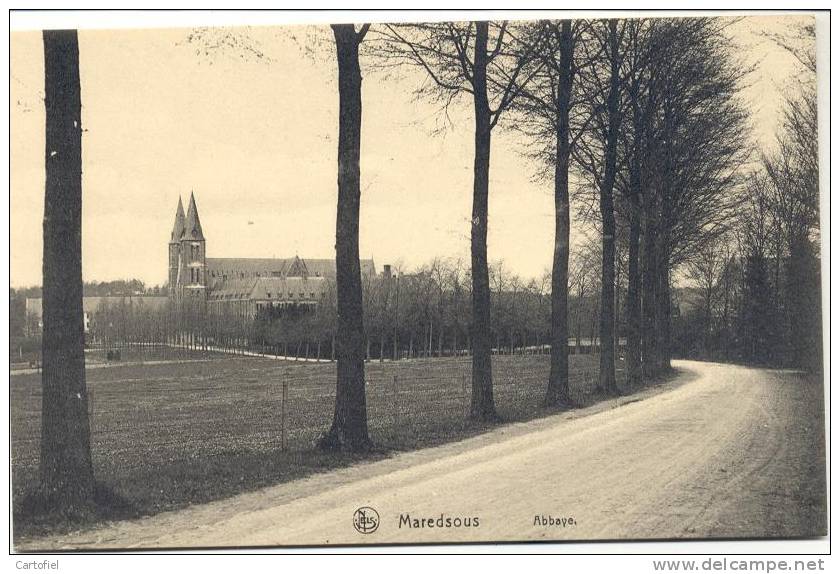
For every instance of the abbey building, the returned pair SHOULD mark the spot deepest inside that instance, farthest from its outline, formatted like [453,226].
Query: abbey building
[243,285]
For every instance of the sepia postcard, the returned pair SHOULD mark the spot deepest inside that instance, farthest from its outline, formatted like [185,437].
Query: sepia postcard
[551,278]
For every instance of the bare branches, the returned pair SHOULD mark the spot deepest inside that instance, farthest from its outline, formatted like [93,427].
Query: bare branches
[360,35]
[212,43]
[447,53]
[799,43]
[439,49]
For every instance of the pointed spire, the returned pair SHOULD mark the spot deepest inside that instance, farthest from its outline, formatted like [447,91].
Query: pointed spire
[178,229]
[192,228]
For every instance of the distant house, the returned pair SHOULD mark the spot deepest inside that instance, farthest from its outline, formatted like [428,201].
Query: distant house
[34,305]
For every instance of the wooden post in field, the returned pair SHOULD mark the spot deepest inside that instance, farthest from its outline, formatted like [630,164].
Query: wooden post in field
[395,407]
[90,407]
[464,392]
[283,395]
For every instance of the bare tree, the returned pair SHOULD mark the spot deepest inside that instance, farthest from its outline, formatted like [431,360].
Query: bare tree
[682,149]
[473,58]
[669,132]
[793,172]
[703,132]
[641,92]
[705,270]
[66,470]
[349,428]
[546,107]
[598,154]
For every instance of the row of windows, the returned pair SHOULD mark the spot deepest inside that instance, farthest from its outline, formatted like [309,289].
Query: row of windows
[285,304]
[241,274]
[244,296]
[230,297]
[301,295]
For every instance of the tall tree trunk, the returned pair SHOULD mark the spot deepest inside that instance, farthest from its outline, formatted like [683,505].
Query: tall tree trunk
[607,324]
[578,317]
[634,291]
[482,405]
[663,251]
[349,428]
[429,339]
[558,379]
[649,265]
[396,317]
[381,346]
[663,303]
[66,470]
[617,307]
[727,286]
[796,333]
[634,302]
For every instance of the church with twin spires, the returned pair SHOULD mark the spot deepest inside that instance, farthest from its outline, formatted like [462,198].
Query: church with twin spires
[243,286]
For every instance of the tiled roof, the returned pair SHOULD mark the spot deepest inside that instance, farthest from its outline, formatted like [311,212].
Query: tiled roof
[232,290]
[271,289]
[289,289]
[234,268]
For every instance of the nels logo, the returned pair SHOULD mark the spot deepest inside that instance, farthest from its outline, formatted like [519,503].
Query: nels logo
[366,520]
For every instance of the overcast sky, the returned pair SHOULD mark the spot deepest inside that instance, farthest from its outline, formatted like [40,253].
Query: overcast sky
[255,139]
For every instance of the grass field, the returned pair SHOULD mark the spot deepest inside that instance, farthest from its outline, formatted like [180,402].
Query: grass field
[166,435]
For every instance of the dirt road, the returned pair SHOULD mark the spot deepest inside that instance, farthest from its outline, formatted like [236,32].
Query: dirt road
[727,452]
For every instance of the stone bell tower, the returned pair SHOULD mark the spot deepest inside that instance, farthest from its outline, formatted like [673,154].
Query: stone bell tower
[187,255]
[193,267]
